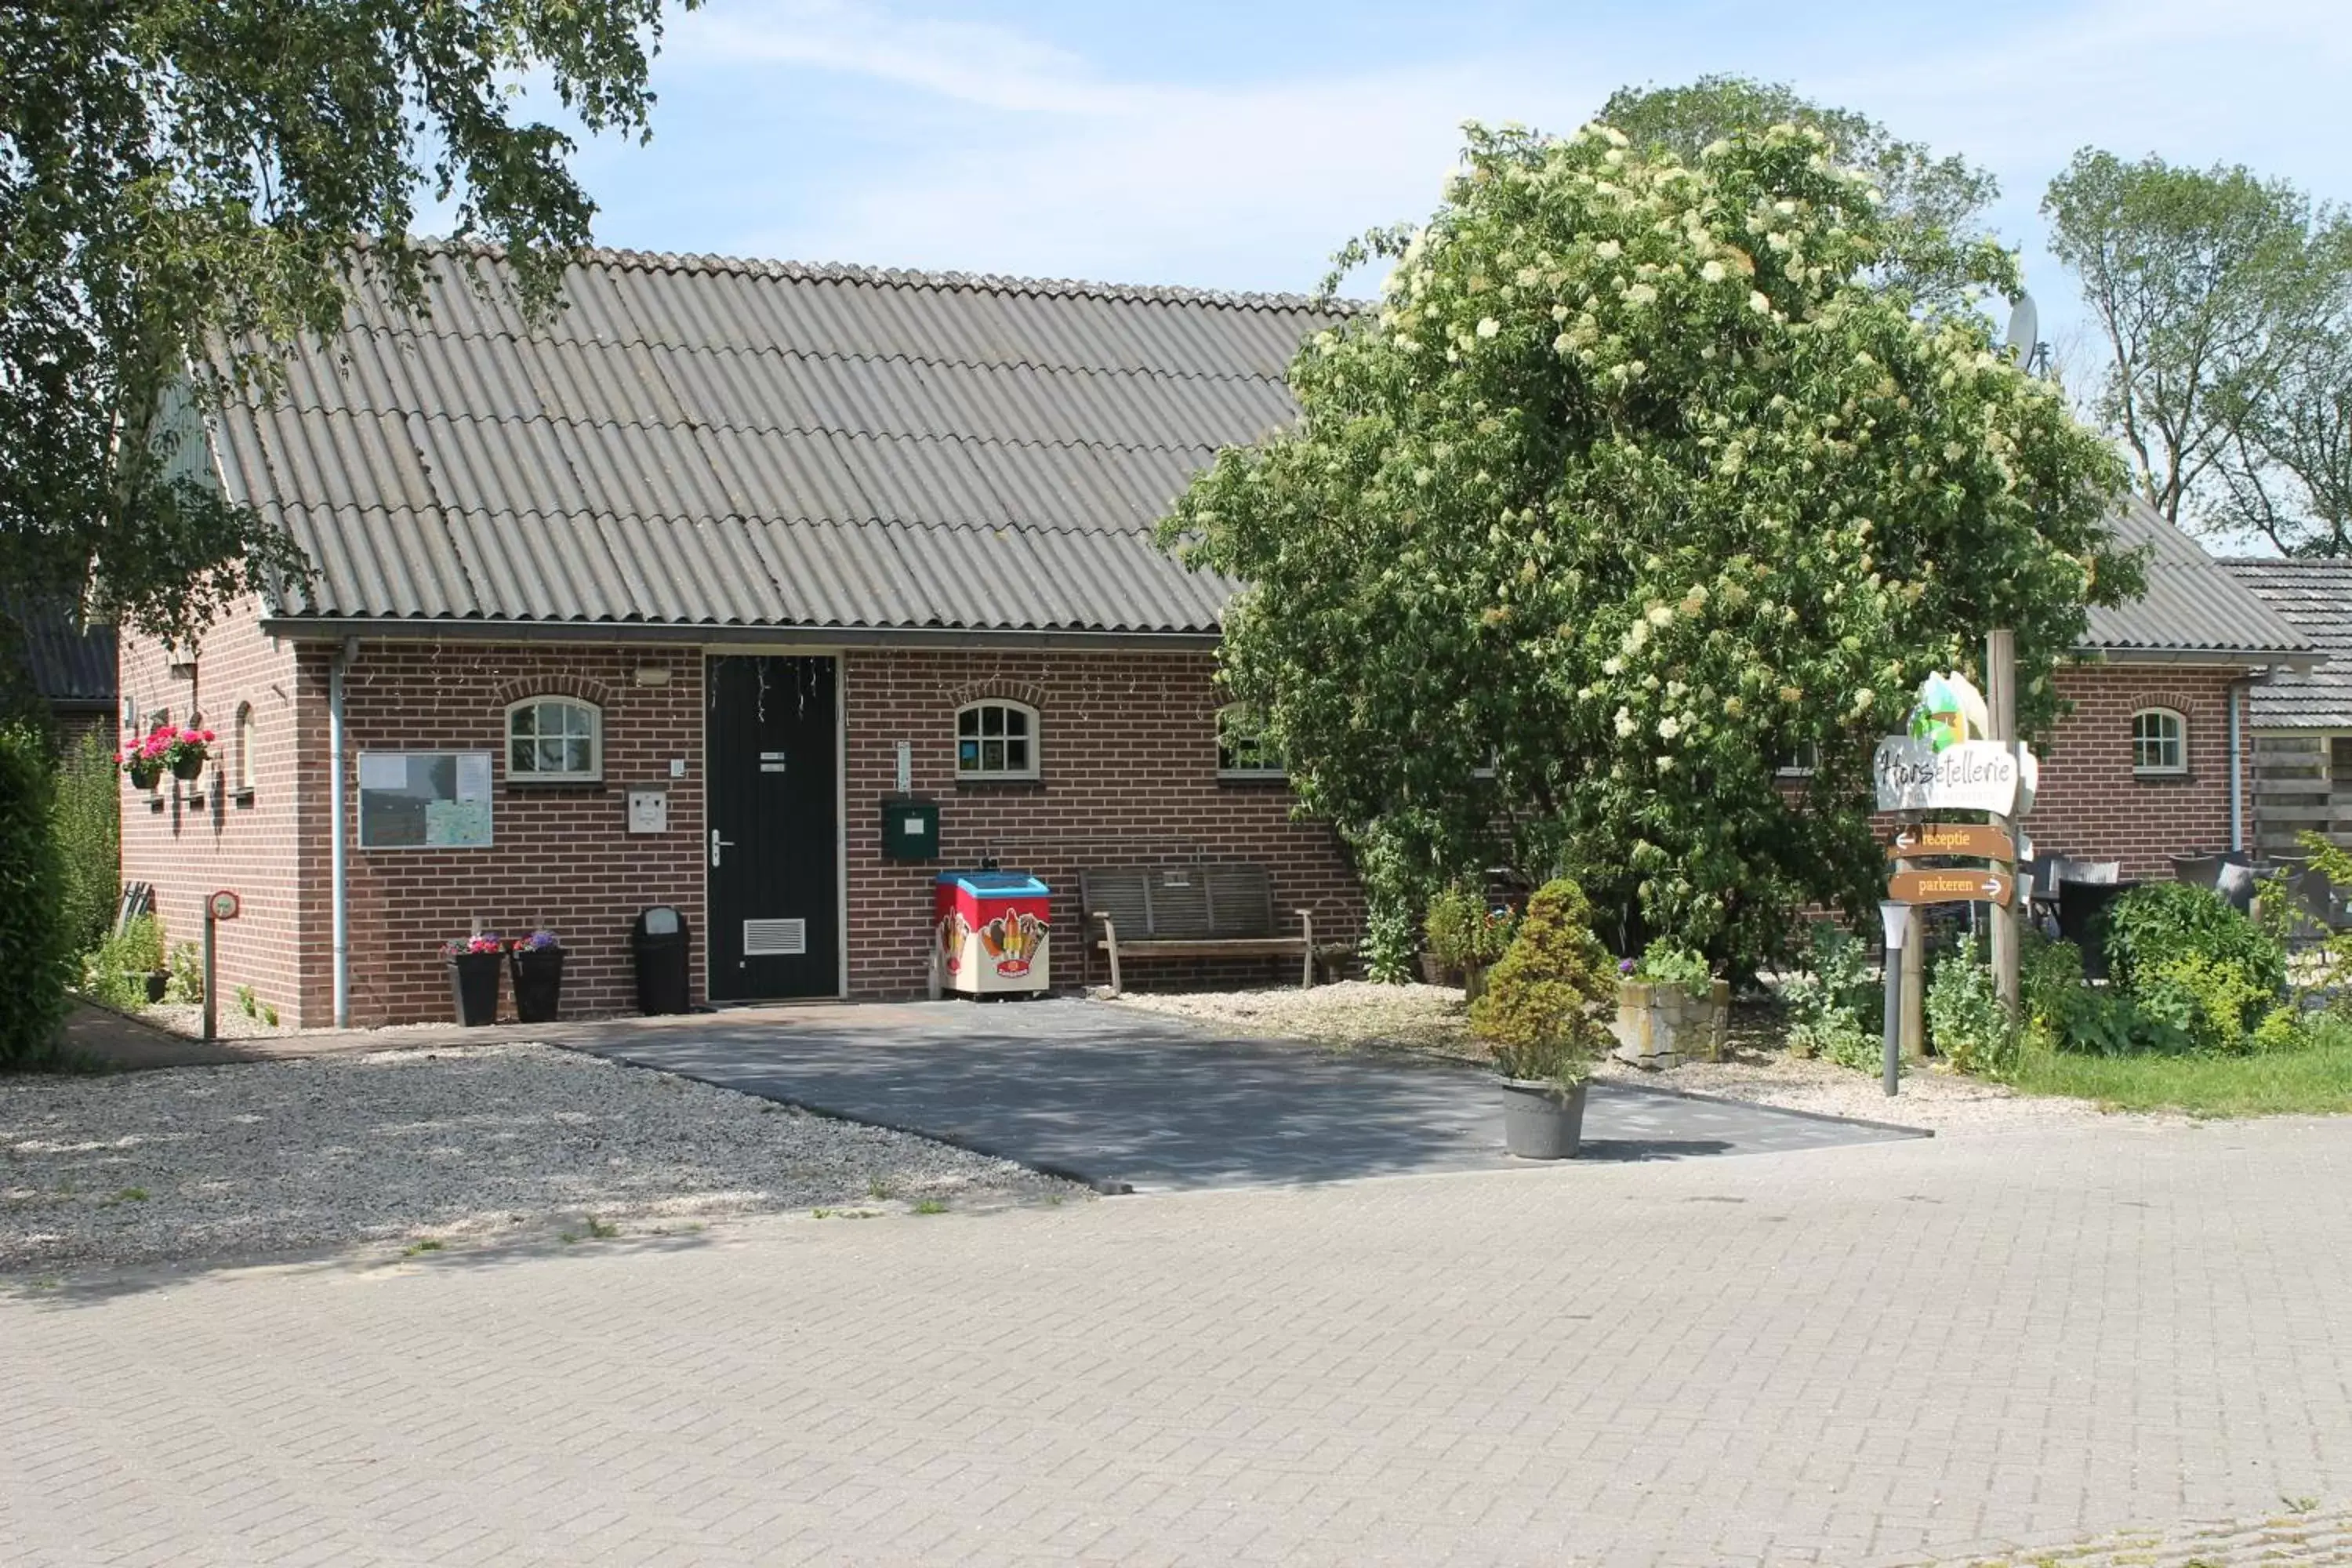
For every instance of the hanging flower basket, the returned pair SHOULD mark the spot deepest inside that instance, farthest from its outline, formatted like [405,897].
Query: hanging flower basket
[538,964]
[167,747]
[474,965]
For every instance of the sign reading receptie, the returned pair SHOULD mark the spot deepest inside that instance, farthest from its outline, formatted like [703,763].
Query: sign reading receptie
[649,810]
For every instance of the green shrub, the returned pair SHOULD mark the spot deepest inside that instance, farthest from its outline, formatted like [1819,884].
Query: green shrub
[1536,1013]
[1388,943]
[117,973]
[1966,1021]
[89,824]
[36,949]
[1666,962]
[1832,1002]
[2211,1000]
[187,982]
[2283,1029]
[2164,922]
[1463,933]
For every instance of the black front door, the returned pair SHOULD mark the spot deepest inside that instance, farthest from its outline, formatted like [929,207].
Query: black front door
[770,763]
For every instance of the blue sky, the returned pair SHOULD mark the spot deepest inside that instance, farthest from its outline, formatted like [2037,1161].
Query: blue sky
[1229,144]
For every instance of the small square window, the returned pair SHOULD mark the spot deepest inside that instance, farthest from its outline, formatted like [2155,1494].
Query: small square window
[996,741]
[554,740]
[1242,753]
[2159,742]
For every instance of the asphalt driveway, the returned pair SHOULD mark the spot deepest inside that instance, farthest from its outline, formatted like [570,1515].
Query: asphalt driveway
[1133,1102]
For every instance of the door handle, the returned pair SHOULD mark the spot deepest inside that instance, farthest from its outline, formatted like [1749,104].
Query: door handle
[717,844]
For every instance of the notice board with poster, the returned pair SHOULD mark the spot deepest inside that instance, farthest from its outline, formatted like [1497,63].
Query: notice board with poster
[424,800]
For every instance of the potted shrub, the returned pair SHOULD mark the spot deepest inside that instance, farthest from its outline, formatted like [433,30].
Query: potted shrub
[474,965]
[1465,937]
[1537,1016]
[1670,1007]
[538,964]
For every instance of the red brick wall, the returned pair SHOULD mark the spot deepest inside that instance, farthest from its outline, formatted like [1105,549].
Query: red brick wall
[190,838]
[559,856]
[2092,807]
[1129,764]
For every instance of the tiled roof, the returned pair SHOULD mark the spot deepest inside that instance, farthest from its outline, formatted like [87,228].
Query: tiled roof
[70,667]
[2191,606]
[702,442]
[697,442]
[2316,596]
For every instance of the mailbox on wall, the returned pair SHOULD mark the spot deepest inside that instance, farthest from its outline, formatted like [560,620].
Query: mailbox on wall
[910,829]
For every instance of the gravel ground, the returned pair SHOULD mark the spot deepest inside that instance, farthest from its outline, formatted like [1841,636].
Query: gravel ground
[1358,1014]
[464,1144]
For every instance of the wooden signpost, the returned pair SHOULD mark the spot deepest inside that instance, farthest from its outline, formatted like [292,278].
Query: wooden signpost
[223,905]
[1960,884]
[1967,840]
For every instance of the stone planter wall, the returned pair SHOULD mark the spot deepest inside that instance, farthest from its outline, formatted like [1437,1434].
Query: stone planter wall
[1663,1026]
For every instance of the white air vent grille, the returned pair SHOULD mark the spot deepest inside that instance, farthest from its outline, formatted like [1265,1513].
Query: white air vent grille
[775,939]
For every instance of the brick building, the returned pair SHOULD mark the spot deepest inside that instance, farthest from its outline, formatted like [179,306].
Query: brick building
[2302,719]
[65,664]
[660,602]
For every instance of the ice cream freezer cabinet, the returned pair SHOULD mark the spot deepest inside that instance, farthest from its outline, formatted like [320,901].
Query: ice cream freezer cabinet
[992,930]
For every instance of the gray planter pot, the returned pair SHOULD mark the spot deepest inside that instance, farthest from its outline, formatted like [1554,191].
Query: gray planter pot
[1541,1122]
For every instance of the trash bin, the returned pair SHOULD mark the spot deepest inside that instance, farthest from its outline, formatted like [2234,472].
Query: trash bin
[993,929]
[659,944]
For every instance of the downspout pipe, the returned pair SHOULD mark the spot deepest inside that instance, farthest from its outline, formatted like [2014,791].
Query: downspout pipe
[337,865]
[2237,769]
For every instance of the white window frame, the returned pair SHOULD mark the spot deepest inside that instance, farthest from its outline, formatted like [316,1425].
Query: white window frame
[982,774]
[592,774]
[246,730]
[1800,764]
[1278,769]
[2179,741]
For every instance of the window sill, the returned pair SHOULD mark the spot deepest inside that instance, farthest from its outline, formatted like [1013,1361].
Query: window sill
[1003,785]
[2167,776]
[554,786]
[1246,776]
[241,799]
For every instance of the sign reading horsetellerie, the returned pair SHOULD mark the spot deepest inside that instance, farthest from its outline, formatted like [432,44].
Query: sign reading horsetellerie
[1971,775]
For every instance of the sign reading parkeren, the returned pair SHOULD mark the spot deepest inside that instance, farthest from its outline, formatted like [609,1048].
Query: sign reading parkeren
[1973,775]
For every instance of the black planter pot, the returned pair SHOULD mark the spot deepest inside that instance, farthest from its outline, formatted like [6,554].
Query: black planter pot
[539,984]
[474,986]
[158,982]
[146,777]
[187,769]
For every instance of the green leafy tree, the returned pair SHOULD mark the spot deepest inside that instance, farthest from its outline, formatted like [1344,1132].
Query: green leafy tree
[1934,207]
[34,950]
[1629,488]
[2224,301]
[181,184]
[1536,1013]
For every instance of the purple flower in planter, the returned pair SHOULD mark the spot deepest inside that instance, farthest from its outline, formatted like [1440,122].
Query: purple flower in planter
[539,942]
[1624,967]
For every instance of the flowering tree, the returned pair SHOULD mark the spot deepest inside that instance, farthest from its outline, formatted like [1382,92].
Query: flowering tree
[1628,492]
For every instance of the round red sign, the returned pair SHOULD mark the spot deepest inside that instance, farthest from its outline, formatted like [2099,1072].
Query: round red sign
[224,905]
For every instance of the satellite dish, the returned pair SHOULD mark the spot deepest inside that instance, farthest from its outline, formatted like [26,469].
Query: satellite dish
[2025,326]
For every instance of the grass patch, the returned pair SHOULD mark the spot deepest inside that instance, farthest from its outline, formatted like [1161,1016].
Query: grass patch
[2316,1080]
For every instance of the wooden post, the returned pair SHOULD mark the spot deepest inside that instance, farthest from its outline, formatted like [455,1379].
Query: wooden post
[2001,697]
[1915,999]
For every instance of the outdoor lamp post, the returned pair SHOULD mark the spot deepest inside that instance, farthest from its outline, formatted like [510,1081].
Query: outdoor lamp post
[1896,919]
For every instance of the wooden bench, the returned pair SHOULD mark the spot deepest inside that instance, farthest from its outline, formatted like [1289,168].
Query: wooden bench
[1192,911]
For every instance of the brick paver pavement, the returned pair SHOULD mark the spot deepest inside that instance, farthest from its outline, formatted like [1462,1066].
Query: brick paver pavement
[1878,1355]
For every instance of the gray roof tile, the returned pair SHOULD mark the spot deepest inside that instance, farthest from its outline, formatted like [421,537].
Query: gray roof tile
[2191,606]
[2316,597]
[702,442]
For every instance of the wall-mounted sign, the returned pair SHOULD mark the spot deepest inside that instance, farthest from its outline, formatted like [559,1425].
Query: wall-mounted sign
[424,800]
[1970,775]
[1962,838]
[223,905]
[1953,886]
[649,811]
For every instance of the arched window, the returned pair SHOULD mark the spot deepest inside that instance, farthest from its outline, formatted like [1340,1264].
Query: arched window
[555,740]
[247,765]
[996,740]
[2159,742]
[1242,750]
